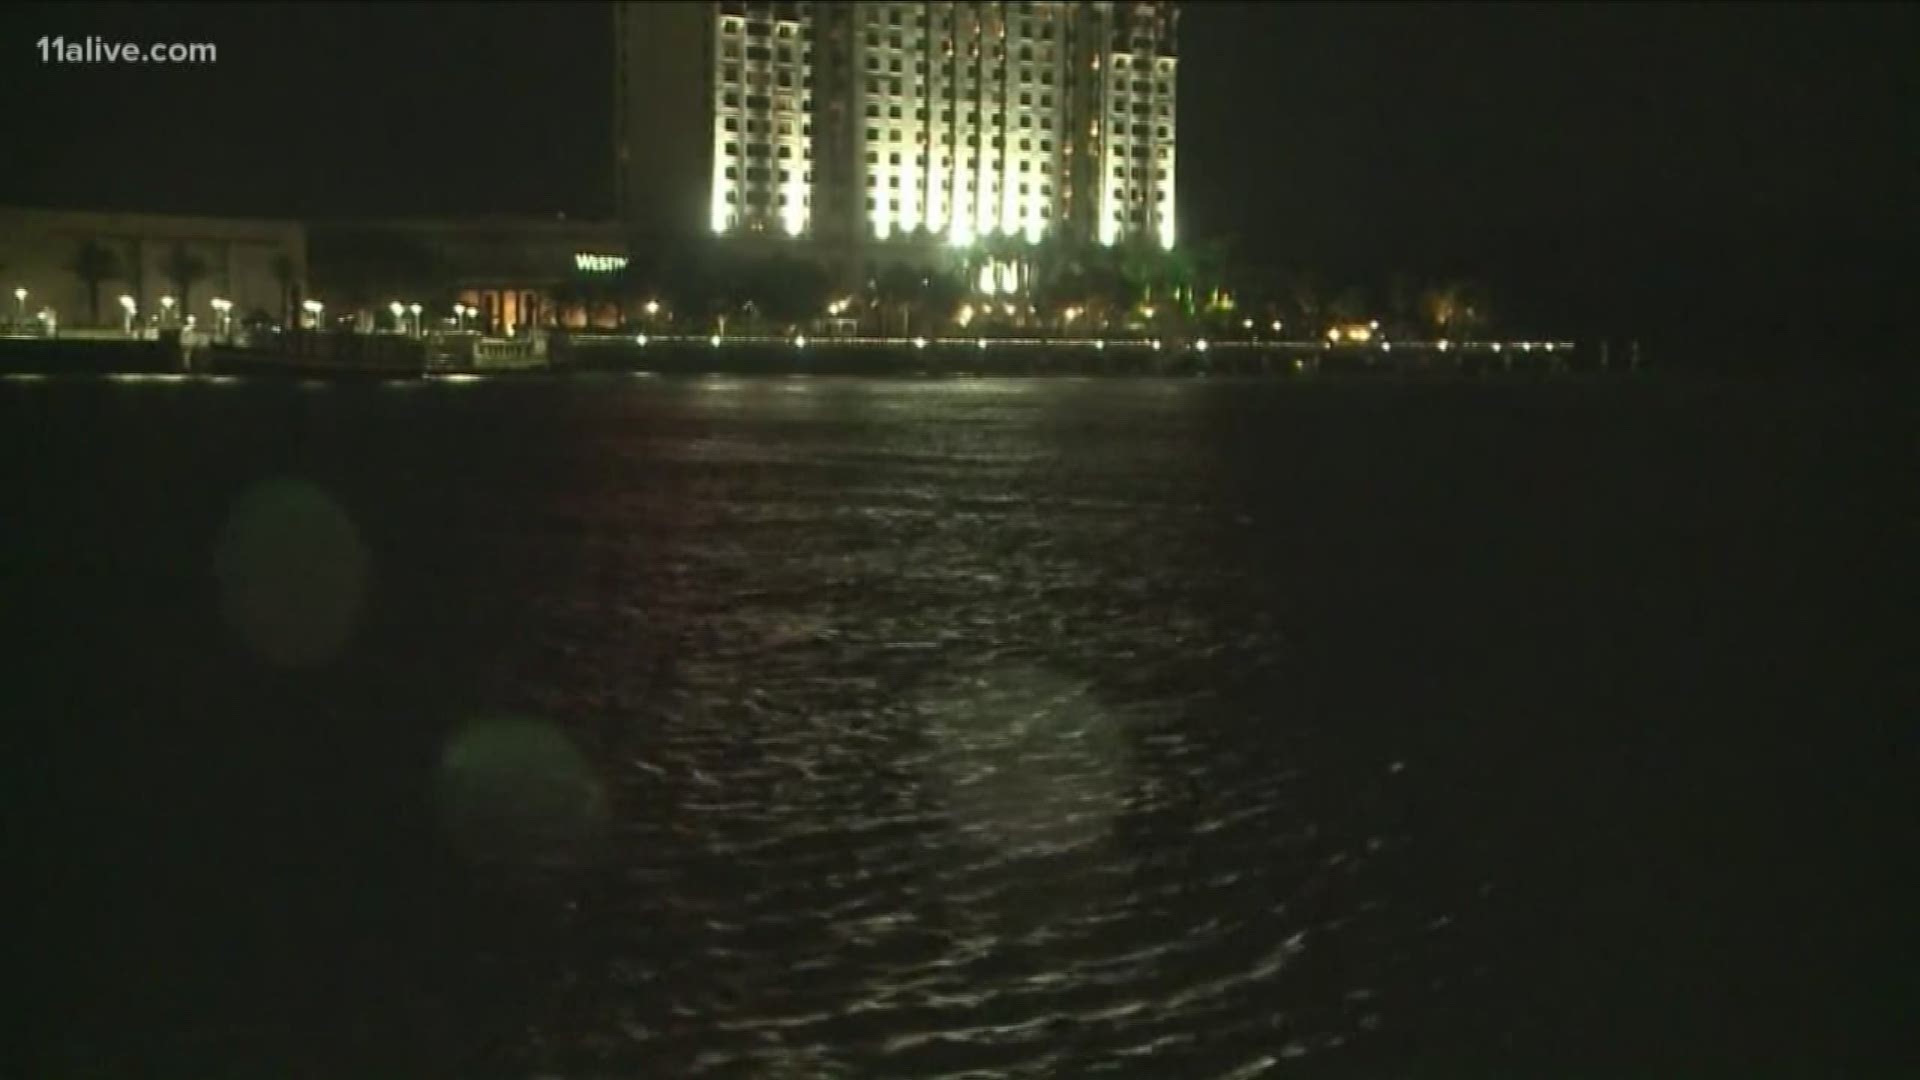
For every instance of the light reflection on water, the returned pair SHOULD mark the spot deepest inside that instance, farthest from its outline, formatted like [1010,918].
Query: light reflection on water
[956,767]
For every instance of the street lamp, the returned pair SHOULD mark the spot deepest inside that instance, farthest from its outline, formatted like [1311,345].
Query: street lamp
[418,330]
[20,305]
[653,308]
[127,305]
[166,309]
[397,308]
[313,308]
[224,308]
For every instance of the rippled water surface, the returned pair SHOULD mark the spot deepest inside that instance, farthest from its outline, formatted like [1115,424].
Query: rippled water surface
[818,728]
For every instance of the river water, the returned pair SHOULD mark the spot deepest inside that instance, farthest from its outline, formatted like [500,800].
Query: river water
[790,727]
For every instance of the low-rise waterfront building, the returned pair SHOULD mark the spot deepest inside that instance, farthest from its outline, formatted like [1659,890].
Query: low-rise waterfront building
[101,269]
[505,273]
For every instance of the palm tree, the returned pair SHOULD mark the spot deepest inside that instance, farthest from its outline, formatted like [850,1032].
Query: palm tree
[1440,305]
[95,264]
[1199,275]
[731,292]
[1175,274]
[990,249]
[790,291]
[1303,304]
[896,288]
[1349,305]
[1213,259]
[1062,275]
[184,268]
[1400,303]
[1108,287]
[283,275]
[1138,263]
[1258,290]
[1477,312]
[691,283]
[941,294]
[1455,308]
[1060,270]
[708,288]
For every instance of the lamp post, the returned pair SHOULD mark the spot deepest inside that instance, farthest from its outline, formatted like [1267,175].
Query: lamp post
[313,308]
[224,325]
[396,309]
[20,305]
[418,330]
[460,313]
[166,309]
[127,305]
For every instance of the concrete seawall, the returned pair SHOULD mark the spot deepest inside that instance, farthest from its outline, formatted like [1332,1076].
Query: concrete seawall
[88,356]
[353,355]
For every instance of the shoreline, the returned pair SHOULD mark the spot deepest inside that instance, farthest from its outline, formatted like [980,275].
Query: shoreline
[353,357]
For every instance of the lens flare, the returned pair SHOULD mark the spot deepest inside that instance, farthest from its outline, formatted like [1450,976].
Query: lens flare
[292,573]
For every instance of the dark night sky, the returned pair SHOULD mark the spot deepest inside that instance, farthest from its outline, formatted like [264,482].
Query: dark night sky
[1676,171]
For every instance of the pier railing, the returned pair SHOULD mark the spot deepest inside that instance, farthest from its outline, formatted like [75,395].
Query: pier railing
[462,351]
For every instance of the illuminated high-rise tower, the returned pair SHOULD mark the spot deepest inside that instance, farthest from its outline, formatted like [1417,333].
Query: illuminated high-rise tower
[1123,185]
[853,123]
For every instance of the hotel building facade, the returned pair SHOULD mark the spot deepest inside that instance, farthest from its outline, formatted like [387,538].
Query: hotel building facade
[860,126]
